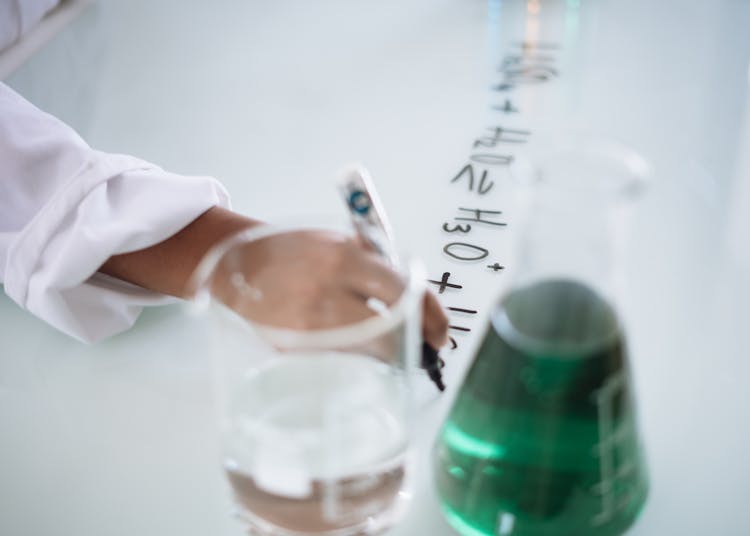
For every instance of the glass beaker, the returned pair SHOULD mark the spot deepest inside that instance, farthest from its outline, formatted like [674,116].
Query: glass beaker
[314,411]
[542,436]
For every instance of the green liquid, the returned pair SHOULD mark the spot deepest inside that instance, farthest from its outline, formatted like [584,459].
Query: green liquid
[542,437]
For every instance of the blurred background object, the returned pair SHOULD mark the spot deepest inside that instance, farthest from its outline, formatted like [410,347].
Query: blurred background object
[27,25]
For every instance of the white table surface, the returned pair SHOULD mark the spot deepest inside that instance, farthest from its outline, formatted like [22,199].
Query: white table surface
[273,97]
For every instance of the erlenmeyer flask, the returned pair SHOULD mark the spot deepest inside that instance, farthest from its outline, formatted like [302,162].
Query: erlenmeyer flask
[542,437]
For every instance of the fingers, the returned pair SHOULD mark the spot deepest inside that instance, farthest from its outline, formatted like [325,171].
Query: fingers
[372,277]
[332,310]
[369,276]
[336,310]
[317,280]
[434,322]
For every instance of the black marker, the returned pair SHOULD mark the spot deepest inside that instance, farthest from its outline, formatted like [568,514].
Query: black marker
[372,226]
[432,363]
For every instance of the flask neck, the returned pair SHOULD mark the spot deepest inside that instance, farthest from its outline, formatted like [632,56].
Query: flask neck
[567,236]
[574,204]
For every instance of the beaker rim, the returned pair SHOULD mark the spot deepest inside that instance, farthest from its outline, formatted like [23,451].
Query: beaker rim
[410,269]
[538,165]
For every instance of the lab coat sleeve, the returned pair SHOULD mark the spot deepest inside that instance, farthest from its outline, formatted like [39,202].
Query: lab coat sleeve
[66,208]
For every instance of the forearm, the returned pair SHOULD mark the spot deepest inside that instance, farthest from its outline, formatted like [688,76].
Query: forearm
[166,267]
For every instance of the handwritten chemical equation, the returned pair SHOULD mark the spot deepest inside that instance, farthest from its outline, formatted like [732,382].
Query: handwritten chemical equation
[527,63]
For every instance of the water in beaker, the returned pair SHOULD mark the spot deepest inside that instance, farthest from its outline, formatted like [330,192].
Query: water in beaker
[316,443]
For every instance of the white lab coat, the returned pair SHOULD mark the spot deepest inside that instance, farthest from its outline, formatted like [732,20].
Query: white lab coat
[66,208]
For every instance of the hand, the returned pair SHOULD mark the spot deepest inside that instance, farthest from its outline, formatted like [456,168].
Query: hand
[314,280]
[317,277]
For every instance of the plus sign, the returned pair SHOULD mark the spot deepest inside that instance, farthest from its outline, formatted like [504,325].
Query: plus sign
[496,267]
[507,107]
[444,283]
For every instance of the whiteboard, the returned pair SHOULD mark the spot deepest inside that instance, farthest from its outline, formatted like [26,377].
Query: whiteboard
[273,98]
